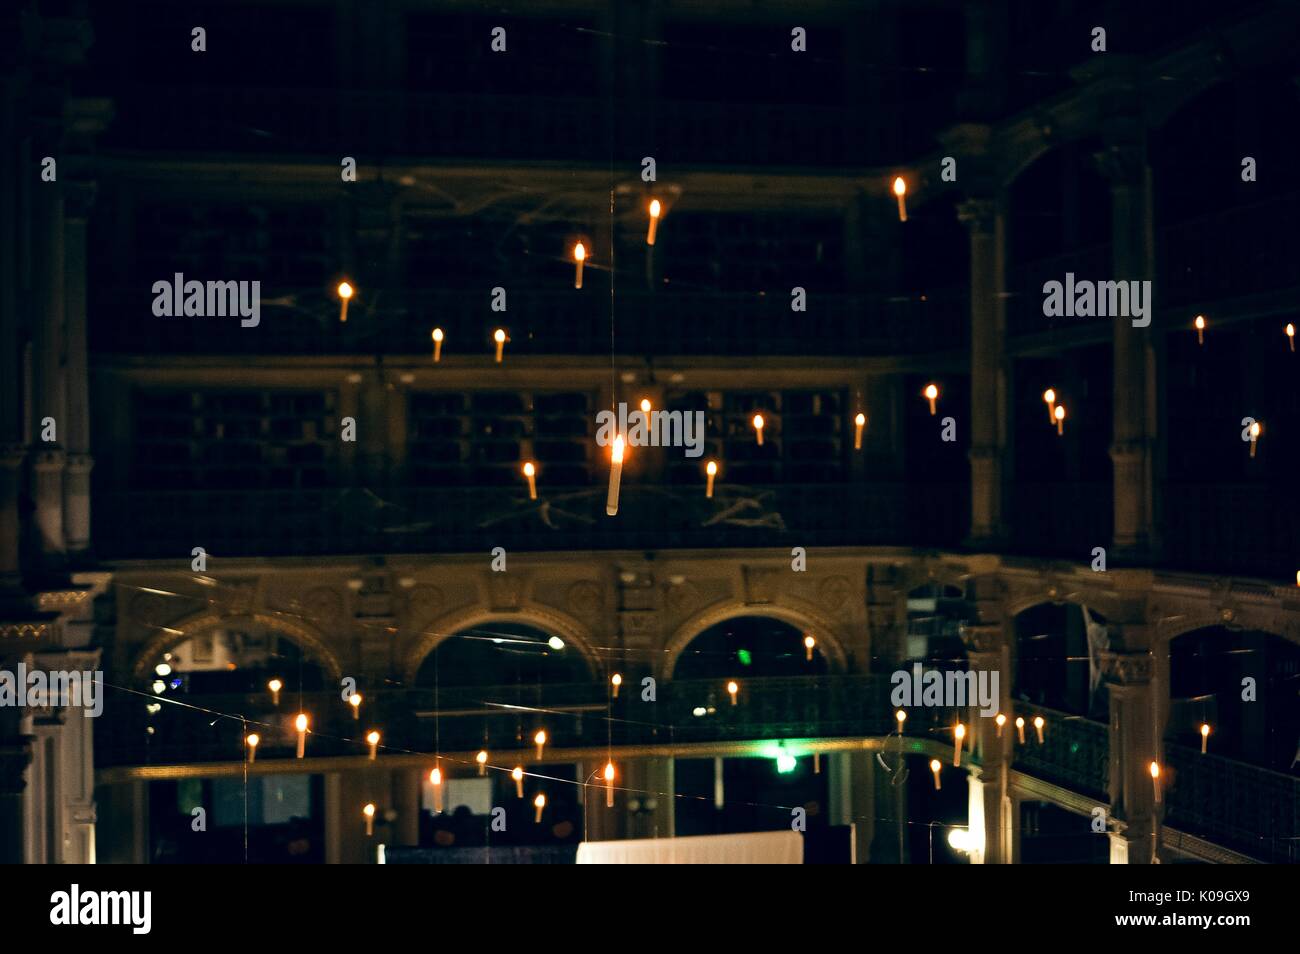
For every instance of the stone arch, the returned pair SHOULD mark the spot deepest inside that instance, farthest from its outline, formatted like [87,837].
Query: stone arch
[305,637]
[542,617]
[821,629]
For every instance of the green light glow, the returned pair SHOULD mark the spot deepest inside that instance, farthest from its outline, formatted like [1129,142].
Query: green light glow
[744,657]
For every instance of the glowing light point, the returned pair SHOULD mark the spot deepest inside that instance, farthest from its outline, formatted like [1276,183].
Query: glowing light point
[931,393]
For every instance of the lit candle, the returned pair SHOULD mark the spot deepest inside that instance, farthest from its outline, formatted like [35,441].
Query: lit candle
[1290,336]
[758,428]
[859,423]
[539,803]
[959,733]
[1049,396]
[499,336]
[1155,779]
[300,724]
[733,689]
[931,393]
[1000,721]
[435,777]
[616,680]
[345,295]
[1020,728]
[275,685]
[1205,735]
[609,773]
[540,740]
[1060,419]
[437,345]
[900,190]
[1255,430]
[710,471]
[1038,727]
[655,209]
[579,256]
[354,701]
[901,716]
[934,767]
[518,776]
[615,477]
[530,472]
[645,409]
[252,740]
[1200,329]
[369,812]
[373,739]
[481,759]
[808,644]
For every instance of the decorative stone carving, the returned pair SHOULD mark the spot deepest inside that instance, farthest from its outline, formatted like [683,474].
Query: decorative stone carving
[761,584]
[505,592]
[584,598]
[680,597]
[981,637]
[639,622]
[424,601]
[324,604]
[834,592]
[1127,668]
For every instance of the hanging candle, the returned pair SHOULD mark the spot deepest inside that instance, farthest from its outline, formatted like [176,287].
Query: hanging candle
[435,778]
[1020,728]
[808,644]
[1290,336]
[437,345]
[1200,329]
[859,422]
[931,393]
[252,740]
[1255,430]
[275,685]
[539,803]
[758,428]
[959,733]
[733,689]
[609,781]
[540,740]
[369,812]
[300,724]
[900,190]
[354,701]
[901,716]
[1049,398]
[345,295]
[1205,735]
[530,471]
[655,210]
[1000,720]
[499,336]
[373,739]
[579,256]
[935,767]
[616,680]
[481,759]
[1060,419]
[615,477]
[710,471]
[518,776]
[1155,780]
[1038,727]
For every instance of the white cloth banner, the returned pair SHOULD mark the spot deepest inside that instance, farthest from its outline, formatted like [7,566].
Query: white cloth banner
[752,848]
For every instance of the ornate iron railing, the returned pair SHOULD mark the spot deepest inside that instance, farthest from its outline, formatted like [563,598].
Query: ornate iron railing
[1075,751]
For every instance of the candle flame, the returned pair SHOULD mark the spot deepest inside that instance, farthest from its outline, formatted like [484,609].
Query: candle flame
[900,187]
[860,420]
[1049,396]
[529,469]
[373,738]
[355,700]
[618,449]
[481,758]
[499,336]
[345,290]
[809,642]
[1155,769]
[959,731]
[540,737]
[1200,326]
[579,252]
[645,405]
[616,679]
[253,739]
[931,391]
[1060,412]
[609,771]
[437,334]
[712,469]
[935,766]
[435,776]
[517,774]
[369,810]
[275,685]
[301,722]
[758,422]
[655,208]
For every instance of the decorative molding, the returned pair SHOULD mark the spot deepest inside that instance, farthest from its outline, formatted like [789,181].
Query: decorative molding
[762,584]
[584,598]
[1127,669]
[306,637]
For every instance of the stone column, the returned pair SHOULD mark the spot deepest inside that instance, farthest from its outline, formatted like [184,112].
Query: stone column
[48,365]
[1134,745]
[985,221]
[76,430]
[1133,259]
[988,652]
[406,801]
[11,461]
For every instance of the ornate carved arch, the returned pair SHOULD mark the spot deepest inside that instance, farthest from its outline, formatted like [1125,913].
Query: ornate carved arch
[305,637]
[821,629]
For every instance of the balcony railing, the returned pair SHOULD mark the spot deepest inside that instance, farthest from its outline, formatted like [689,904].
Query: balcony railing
[1240,806]
[1075,752]
[152,525]
[209,728]
[300,321]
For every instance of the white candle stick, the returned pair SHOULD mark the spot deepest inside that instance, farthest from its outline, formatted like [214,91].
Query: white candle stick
[1000,720]
[959,734]
[518,776]
[609,774]
[530,472]
[345,295]
[616,680]
[499,336]
[354,701]
[369,812]
[931,393]
[1290,336]
[437,345]
[1255,430]
[733,690]
[1060,419]
[900,190]
[808,644]
[435,777]
[1049,397]
[540,740]
[859,423]
[300,724]
[579,256]
[615,477]
[539,803]
[275,685]
[1020,728]
[252,740]
[373,740]
[710,471]
[935,767]
[1200,329]
[481,759]
[1205,735]
[655,209]
[758,428]
[1038,727]
[1155,780]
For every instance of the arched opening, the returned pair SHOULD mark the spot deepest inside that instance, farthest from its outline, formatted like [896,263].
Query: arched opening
[1057,661]
[1245,685]
[236,659]
[749,647]
[498,653]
